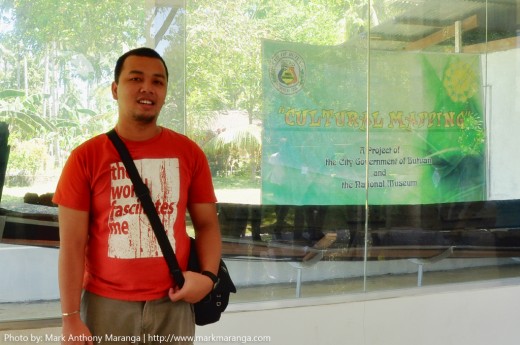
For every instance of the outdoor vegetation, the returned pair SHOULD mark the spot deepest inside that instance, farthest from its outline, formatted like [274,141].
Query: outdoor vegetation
[57,58]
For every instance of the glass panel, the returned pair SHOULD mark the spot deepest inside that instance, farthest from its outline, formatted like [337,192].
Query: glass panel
[284,68]
[307,111]
[436,215]
[57,65]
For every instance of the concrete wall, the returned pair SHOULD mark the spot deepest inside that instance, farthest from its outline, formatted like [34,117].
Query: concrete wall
[28,273]
[476,314]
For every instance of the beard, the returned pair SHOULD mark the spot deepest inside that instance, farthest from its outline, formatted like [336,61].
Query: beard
[145,119]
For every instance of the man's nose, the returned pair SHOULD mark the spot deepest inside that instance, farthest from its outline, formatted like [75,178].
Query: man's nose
[146,87]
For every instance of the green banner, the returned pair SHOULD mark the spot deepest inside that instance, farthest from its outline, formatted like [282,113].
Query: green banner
[425,126]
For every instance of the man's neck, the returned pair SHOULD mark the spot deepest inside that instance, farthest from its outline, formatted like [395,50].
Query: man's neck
[138,132]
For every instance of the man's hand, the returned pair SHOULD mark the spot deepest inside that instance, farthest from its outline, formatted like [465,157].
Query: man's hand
[196,287]
[75,332]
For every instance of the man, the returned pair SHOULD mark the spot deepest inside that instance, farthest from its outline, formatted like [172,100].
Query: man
[108,249]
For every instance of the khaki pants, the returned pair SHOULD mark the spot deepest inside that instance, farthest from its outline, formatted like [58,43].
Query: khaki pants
[126,322]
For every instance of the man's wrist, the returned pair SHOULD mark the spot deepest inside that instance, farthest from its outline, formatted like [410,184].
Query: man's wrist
[67,314]
[211,276]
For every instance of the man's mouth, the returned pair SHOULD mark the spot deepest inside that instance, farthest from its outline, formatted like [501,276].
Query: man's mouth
[145,101]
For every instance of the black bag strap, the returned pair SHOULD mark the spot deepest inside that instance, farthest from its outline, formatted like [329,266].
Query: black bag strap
[143,193]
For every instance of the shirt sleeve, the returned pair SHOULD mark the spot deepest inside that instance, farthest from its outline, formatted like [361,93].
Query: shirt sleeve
[73,189]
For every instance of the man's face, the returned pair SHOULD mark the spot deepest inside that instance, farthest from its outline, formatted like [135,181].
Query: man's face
[141,89]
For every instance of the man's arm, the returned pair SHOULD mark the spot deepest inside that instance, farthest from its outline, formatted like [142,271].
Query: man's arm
[209,249]
[73,227]
[207,235]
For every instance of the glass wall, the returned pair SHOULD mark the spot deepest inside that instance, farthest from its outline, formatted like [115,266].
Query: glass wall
[354,145]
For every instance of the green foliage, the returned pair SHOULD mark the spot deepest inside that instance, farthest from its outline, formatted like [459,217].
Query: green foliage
[88,27]
[21,113]
[224,43]
[57,61]
[26,158]
[224,47]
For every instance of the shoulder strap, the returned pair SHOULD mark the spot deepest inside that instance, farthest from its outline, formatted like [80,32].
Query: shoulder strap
[143,193]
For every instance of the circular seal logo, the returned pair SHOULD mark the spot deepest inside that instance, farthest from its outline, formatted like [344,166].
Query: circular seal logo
[287,72]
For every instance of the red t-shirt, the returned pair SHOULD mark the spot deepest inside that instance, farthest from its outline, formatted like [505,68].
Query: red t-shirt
[123,259]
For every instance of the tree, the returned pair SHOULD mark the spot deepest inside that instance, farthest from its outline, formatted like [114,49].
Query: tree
[224,47]
[61,56]
[224,60]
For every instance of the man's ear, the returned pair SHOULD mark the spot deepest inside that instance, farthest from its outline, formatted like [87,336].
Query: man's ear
[114,90]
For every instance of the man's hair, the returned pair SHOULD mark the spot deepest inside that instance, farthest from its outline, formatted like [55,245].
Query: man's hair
[144,51]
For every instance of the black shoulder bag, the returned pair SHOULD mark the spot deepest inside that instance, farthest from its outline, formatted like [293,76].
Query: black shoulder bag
[209,309]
